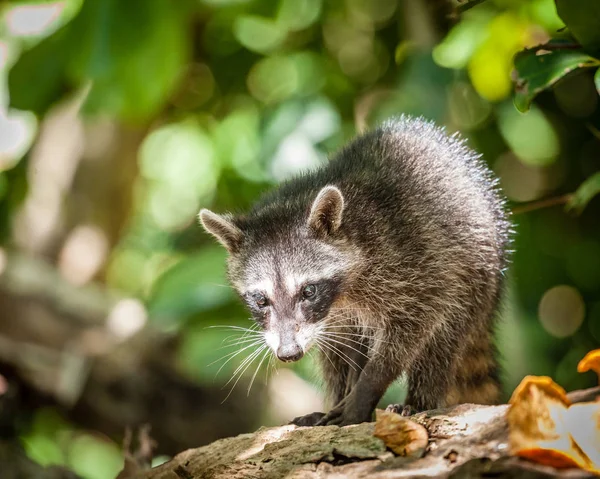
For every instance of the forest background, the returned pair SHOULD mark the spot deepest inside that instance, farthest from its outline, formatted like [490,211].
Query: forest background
[119,120]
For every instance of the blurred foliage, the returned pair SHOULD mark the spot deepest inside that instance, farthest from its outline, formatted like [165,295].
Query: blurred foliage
[52,441]
[233,96]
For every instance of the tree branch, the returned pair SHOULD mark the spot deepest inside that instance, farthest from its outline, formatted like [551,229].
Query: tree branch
[462,8]
[543,203]
[464,441]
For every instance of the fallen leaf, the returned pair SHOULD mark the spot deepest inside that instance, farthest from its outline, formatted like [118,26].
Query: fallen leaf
[545,383]
[537,424]
[403,436]
[590,361]
[583,421]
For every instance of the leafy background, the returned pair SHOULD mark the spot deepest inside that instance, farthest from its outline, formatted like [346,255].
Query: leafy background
[120,120]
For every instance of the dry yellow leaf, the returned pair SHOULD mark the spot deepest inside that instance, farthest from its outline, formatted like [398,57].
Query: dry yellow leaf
[546,383]
[583,422]
[538,428]
[403,436]
[590,361]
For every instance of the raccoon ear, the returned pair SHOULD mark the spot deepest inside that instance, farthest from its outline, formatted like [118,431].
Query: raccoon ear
[326,212]
[222,228]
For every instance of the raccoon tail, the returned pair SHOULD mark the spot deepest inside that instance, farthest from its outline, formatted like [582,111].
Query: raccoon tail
[476,372]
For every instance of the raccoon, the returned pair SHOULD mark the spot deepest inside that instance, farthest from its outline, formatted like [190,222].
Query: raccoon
[390,259]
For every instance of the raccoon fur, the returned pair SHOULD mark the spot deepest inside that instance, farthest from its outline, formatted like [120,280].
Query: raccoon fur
[390,259]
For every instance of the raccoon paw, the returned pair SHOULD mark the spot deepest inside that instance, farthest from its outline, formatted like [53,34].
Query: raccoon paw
[345,414]
[402,409]
[309,420]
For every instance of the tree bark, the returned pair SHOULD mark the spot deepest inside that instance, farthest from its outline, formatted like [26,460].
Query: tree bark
[464,441]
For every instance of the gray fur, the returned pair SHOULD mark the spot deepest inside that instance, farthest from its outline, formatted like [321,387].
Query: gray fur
[405,235]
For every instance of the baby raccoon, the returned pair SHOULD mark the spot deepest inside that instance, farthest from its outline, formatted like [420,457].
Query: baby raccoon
[389,259]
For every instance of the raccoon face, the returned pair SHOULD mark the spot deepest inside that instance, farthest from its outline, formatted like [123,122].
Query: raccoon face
[288,282]
[289,296]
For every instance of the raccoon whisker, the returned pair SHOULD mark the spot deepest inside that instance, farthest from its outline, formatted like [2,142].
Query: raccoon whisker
[357,330]
[341,354]
[348,312]
[231,326]
[330,338]
[343,312]
[265,355]
[271,367]
[343,333]
[343,339]
[232,355]
[356,335]
[343,323]
[350,329]
[244,365]
[245,335]
[247,331]
[344,357]
[240,342]
[328,347]
[329,359]
[249,360]
[222,285]
[230,358]
[342,319]
[253,332]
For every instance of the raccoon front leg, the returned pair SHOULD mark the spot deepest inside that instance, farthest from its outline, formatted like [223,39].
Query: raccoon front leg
[372,382]
[358,406]
[336,376]
[341,364]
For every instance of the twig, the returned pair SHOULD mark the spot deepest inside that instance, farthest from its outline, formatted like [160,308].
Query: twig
[468,5]
[365,105]
[556,46]
[540,204]
[593,130]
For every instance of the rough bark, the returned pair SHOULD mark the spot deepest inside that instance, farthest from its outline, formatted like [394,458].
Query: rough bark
[465,441]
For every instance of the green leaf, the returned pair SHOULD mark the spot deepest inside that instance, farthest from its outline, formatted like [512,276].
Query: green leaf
[258,34]
[196,284]
[298,14]
[597,80]
[538,70]
[94,457]
[37,79]
[583,19]
[584,194]
[132,51]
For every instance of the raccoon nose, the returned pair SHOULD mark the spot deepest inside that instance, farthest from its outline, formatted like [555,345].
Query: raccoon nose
[290,352]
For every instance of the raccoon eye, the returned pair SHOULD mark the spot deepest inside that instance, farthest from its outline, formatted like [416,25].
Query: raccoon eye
[261,300]
[309,290]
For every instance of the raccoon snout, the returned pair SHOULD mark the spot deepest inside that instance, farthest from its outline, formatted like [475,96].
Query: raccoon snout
[289,352]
